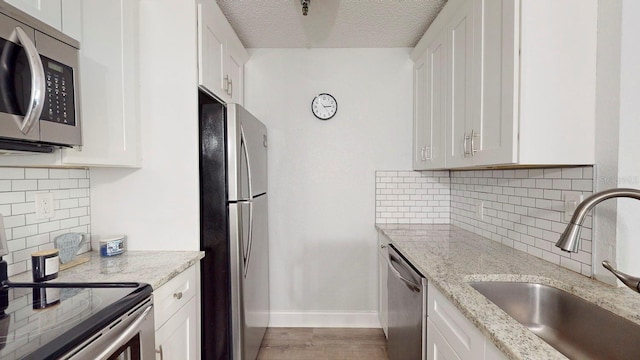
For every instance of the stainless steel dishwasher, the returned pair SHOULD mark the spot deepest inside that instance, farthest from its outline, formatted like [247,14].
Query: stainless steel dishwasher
[407,291]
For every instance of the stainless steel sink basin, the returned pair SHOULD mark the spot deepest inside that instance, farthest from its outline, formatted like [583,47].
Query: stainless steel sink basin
[575,327]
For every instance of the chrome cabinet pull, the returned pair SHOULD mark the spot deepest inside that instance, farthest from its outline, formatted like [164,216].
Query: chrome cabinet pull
[225,84]
[160,352]
[464,145]
[36,100]
[427,151]
[473,147]
[422,153]
[230,87]
[178,295]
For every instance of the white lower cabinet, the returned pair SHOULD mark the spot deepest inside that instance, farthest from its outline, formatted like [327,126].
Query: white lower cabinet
[437,346]
[450,335]
[177,316]
[177,338]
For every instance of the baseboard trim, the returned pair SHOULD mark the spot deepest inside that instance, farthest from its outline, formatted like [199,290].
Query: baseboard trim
[362,319]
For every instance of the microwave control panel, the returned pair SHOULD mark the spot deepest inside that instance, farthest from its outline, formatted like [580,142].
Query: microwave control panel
[59,95]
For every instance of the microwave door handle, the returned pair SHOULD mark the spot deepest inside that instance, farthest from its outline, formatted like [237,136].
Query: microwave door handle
[243,144]
[36,101]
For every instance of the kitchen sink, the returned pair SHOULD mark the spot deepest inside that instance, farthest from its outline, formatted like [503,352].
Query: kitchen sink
[575,327]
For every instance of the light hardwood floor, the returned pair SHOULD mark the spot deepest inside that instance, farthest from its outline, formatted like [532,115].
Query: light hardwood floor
[323,344]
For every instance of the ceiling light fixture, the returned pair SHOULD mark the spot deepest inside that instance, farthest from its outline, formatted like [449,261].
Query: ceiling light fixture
[305,6]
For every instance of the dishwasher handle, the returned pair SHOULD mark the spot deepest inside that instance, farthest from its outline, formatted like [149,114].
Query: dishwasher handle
[410,284]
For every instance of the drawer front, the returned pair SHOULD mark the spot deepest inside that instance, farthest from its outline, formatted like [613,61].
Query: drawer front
[171,296]
[437,346]
[465,339]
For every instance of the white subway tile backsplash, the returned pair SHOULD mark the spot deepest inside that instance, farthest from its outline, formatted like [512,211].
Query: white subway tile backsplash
[26,233]
[523,208]
[412,197]
[541,210]
[58,173]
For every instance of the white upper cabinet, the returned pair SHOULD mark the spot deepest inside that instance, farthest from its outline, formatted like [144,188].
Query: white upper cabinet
[47,11]
[64,15]
[108,71]
[72,18]
[430,84]
[521,82]
[461,103]
[109,86]
[221,56]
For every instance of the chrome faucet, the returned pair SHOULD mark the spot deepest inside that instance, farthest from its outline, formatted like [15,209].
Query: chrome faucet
[570,239]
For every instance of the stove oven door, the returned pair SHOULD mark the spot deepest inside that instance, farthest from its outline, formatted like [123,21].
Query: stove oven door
[130,337]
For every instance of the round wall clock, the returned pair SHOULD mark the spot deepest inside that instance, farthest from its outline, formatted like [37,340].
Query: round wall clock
[324,106]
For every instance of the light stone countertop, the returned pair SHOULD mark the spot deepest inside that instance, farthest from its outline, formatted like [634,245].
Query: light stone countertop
[152,267]
[450,257]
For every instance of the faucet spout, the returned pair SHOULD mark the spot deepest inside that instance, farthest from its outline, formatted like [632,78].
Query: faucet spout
[570,239]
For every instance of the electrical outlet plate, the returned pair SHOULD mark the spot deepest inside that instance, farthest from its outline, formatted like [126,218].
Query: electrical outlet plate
[44,205]
[480,210]
[571,202]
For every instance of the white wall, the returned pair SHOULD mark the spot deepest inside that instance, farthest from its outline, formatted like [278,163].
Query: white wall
[617,128]
[629,149]
[321,174]
[158,206]
[607,133]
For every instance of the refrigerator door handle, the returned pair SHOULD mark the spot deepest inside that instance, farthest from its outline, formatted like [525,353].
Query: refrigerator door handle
[247,255]
[243,146]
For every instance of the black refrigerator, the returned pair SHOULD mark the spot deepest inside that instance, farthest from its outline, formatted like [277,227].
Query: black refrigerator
[233,231]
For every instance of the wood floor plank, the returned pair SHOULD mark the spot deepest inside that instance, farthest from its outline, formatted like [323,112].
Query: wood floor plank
[323,344]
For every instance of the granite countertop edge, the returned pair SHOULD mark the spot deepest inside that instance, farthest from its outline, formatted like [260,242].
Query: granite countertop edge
[155,268]
[450,257]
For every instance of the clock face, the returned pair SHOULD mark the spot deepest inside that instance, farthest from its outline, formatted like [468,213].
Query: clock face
[324,106]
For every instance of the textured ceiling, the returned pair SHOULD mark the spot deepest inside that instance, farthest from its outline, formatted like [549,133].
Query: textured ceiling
[330,23]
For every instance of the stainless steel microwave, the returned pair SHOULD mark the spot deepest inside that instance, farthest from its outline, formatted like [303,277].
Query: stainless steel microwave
[39,109]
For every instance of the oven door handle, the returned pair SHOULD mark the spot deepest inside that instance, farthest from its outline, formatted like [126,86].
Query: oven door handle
[36,100]
[126,335]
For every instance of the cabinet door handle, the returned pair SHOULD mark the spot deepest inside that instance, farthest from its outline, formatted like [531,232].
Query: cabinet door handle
[427,151]
[160,352]
[473,147]
[178,295]
[225,84]
[422,154]
[464,145]
[230,87]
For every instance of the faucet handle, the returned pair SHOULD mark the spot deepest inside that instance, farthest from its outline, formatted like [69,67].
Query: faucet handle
[631,282]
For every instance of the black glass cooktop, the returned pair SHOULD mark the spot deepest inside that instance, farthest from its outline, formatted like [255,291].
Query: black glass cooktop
[42,323]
